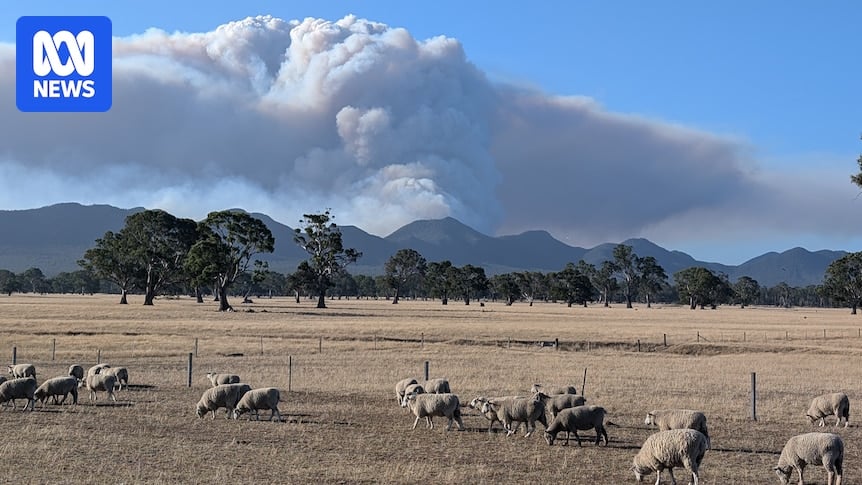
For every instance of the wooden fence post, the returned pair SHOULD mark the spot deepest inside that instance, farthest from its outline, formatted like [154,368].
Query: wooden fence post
[99,356]
[190,370]
[53,348]
[289,371]
[665,339]
[320,345]
[639,345]
[422,341]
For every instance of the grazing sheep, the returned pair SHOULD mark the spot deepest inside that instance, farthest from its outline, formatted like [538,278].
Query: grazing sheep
[401,385]
[97,369]
[836,403]
[58,386]
[812,449]
[437,386]
[22,370]
[77,371]
[518,410]
[101,382]
[670,449]
[414,387]
[667,419]
[582,418]
[221,396]
[553,390]
[121,373]
[20,388]
[264,398]
[217,379]
[556,403]
[491,416]
[429,405]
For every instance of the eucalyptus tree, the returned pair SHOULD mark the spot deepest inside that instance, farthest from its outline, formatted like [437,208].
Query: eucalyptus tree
[327,256]
[405,269]
[442,279]
[843,281]
[625,264]
[651,278]
[746,290]
[112,259]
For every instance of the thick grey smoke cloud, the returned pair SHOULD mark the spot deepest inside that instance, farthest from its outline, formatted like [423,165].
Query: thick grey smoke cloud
[286,117]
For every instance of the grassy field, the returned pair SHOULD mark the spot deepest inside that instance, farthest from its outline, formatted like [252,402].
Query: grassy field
[341,423]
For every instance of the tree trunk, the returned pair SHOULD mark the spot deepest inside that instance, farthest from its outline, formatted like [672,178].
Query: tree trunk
[199,297]
[223,305]
[853,310]
[648,301]
[123,300]
[296,295]
[628,301]
[321,300]
[445,300]
[149,296]
[466,300]
[395,300]
[569,304]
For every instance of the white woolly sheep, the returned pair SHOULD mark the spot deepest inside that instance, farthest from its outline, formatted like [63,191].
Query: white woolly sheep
[429,405]
[217,379]
[20,388]
[121,373]
[417,388]
[667,419]
[97,369]
[477,402]
[101,382]
[553,390]
[58,386]
[437,386]
[401,385]
[518,410]
[77,371]
[669,449]
[221,396]
[836,403]
[556,403]
[812,449]
[256,399]
[578,418]
[22,370]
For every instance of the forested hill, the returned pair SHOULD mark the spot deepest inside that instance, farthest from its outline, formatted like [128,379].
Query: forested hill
[53,238]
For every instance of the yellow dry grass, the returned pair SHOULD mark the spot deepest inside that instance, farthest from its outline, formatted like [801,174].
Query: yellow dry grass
[341,421]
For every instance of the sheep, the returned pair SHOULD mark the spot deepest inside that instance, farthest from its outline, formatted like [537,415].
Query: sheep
[429,405]
[96,369]
[217,379]
[77,371]
[670,449]
[667,419]
[518,410]
[556,403]
[836,403]
[553,390]
[437,386]
[221,396]
[264,398]
[811,449]
[491,416]
[122,375]
[58,386]
[414,387]
[22,370]
[19,388]
[101,382]
[401,385]
[577,418]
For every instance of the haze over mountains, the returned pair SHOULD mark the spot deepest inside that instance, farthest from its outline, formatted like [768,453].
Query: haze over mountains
[53,238]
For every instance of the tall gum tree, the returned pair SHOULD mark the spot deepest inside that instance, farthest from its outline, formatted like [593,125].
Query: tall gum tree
[321,239]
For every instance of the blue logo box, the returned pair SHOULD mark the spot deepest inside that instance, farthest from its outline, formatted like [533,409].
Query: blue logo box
[63,64]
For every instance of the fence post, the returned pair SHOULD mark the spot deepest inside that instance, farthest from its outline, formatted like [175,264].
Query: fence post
[786,335]
[53,348]
[698,336]
[14,355]
[754,396]
[289,371]
[196,346]
[639,345]
[665,339]
[824,334]
[509,343]
[99,356]
[743,336]
[556,344]
[261,345]
[422,341]
[584,383]
[427,368]
[190,370]
[320,345]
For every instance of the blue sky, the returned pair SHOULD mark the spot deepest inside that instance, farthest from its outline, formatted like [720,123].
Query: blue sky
[777,80]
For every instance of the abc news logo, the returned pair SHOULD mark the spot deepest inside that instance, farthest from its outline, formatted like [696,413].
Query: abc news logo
[63,64]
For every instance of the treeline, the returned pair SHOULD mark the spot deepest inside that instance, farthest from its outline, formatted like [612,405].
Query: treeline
[156,253]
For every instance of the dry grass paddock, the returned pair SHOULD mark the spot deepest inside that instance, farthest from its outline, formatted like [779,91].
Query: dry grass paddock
[341,423]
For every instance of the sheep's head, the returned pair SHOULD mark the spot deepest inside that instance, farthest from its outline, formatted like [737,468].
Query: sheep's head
[488,407]
[536,388]
[650,419]
[201,410]
[811,418]
[408,397]
[550,437]
[640,472]
[477,402]
[10,369]
[783,473]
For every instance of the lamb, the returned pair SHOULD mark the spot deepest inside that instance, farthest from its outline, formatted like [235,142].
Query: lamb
[582,418]
[221,396]
[553,390]
[121,373]
[77,371]
[20,388]
[836,403]
[97,369]
[429,405]
[437,386]
[101,382]
[491,416]
[667,419]
[812,449]
[518,410]
[670,449]
[264,398]
[401,385]
[58,386]
[22,370]
[556,403]
[217,379]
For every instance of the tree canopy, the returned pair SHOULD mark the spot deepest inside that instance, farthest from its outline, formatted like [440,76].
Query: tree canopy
[321,239]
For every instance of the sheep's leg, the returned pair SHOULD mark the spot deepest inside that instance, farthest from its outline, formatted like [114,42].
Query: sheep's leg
[112,396]
[672,478]
[530,428]
[567,438]
[799,470]
[416,422]
[275,414]
[577,437]
[822,422]
[658,476]
[449,424]
[430,423]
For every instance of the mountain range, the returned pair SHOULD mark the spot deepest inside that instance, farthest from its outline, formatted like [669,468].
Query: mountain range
[53,238]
